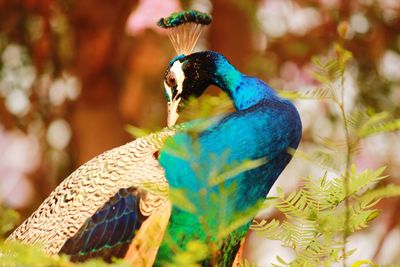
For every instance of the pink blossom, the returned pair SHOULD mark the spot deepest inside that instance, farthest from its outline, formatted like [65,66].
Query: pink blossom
[148,12]
[19,156]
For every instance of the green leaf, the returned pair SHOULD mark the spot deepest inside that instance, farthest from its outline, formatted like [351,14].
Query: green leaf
[314,93]
[280,260]
[240,219]
[178,198]
[206,106]
[236,170]
[363,262]
[379,123]
[372,197]
[136,132]
[8,220]
[246,263]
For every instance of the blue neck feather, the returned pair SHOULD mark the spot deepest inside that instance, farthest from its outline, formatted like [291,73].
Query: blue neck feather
[245,91]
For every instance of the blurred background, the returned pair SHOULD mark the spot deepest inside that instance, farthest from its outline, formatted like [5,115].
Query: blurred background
[73,74]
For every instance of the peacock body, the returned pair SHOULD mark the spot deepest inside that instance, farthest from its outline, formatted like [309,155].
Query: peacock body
[117,205]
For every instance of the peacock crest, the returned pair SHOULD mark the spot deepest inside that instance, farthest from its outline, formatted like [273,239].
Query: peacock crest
[184,29]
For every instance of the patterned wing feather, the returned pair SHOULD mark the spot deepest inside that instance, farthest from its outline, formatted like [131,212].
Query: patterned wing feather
[93,191]
[110,230]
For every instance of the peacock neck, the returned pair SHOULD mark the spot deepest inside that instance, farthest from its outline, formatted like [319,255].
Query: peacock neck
[245,91]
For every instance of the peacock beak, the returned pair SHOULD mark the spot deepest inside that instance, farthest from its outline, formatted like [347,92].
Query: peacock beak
[173,112]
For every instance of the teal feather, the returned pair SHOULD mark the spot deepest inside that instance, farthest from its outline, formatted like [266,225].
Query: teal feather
[188,16]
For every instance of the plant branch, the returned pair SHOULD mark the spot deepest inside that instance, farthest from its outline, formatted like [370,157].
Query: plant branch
[347,164]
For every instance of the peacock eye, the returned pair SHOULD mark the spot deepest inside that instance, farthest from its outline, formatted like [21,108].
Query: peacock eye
[171,80]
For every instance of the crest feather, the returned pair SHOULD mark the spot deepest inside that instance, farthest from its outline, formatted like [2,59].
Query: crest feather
[184,29]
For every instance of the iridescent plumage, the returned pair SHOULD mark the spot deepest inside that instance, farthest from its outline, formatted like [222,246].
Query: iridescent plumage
[263,128]
[117,204]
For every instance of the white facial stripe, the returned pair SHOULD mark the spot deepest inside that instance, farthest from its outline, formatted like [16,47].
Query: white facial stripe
[168,91]
[179,76]
[173,103]
[172,112]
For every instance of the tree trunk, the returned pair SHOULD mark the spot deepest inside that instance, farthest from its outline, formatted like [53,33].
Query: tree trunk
[232,30]
[99,47]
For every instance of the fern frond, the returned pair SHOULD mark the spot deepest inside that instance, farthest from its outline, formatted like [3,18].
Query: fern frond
[358,219]
[332,144]
[295,205]
[364,124]
[326,72]
[267,229]
[372,197]
[324,92]
[365,179]
[357,119]
[317,216]
[357,182]
[325,159]
[379,123]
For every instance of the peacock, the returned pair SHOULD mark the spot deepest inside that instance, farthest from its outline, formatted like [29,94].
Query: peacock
[119,203]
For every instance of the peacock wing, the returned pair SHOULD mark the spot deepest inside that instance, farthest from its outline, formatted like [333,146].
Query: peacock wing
[94,188]
[121,221]
[144,247]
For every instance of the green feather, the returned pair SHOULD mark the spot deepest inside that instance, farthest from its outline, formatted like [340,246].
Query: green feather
[183,17]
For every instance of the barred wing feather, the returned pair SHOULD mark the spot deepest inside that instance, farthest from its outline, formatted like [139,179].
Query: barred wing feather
[118,189]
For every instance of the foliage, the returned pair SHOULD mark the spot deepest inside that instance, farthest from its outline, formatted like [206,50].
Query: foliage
[15,253]
[323,212]
[195,252]
[316,213]
[196,109]
[8,220]
[206,106]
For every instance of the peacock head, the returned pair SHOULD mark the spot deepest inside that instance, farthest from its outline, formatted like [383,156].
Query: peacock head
[188,76]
